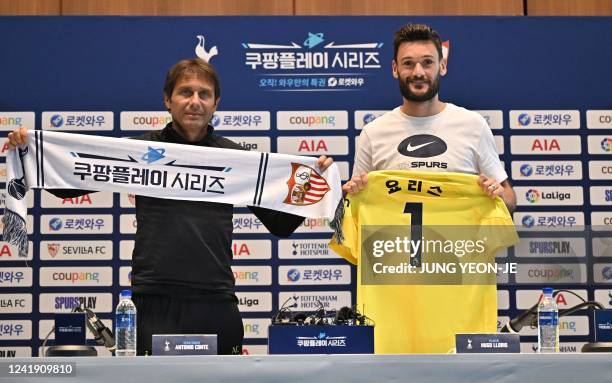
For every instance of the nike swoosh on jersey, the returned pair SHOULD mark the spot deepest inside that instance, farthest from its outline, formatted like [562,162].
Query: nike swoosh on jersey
[413,148]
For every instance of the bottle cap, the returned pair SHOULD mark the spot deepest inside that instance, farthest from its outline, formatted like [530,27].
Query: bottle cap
[125,294]
[547,290]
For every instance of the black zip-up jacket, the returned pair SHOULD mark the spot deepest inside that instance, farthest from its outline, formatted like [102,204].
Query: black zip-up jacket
[184,247]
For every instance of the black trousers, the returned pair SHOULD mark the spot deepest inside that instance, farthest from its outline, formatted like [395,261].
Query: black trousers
[158,314]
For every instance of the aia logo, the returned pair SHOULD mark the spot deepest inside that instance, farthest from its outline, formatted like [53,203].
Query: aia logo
[5,250]
[241,250]
[53,248]
[83,200]
[545,145]
[312,146]
[422,146]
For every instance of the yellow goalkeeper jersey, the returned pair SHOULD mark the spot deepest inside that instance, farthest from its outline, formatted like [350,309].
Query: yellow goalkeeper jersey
[421,317]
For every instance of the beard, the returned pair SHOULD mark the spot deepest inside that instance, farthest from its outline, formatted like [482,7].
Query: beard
[433,88]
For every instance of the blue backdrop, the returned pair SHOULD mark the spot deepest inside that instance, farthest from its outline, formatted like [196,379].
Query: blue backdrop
[75,68]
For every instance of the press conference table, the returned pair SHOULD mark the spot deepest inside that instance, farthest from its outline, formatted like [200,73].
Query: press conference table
[471,368]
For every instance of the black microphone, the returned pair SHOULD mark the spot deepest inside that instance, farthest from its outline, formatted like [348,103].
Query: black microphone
[102,335]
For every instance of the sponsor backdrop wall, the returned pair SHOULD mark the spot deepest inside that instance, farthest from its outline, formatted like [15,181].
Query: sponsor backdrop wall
[307,86]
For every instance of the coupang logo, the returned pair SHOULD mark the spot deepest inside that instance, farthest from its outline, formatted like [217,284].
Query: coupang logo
[532,195]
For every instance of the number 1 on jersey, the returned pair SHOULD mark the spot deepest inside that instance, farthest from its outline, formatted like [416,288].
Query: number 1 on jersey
[415,209]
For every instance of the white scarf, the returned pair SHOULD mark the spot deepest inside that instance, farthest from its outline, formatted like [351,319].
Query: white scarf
[53,160]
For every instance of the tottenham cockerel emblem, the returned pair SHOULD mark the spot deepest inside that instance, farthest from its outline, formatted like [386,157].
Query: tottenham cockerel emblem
[306,186]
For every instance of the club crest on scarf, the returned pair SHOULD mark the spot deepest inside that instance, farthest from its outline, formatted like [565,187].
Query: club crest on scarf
[306,186]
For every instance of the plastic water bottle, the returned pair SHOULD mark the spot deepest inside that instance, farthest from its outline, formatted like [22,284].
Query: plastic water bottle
[548,323]
[125,325]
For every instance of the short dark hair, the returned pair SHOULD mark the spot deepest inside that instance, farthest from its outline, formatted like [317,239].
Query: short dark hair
[195,66]
[416,32]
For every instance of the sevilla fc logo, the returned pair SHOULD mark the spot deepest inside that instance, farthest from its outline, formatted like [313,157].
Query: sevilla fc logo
[306,186]
[53,248]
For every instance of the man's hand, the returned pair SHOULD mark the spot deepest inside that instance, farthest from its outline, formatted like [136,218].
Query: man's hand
[324,162]
[17,137]
[356,184]
[491,187]
[494,189]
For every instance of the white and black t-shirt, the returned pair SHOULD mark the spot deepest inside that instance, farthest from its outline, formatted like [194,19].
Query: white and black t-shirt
[454,140]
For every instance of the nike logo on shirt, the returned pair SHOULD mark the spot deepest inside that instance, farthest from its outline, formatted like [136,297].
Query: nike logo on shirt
[411,148]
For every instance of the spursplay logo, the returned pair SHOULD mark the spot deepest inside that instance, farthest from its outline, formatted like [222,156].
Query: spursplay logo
[422,146]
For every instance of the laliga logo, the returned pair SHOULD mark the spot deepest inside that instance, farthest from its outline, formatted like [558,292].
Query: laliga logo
[306,186]
[606,144]
[532,195]
[201,52]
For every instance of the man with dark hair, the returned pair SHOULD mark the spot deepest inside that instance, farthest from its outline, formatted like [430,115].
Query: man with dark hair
[406,137]
[182,279]
[425,135]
